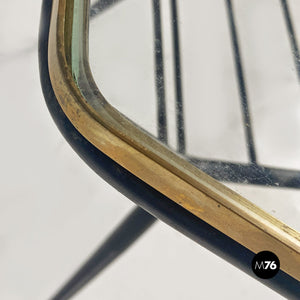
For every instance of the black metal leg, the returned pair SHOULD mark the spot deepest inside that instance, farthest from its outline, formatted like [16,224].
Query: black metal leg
[123,236]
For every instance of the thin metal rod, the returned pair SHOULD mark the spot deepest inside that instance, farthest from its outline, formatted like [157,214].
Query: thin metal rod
[292,35]
[248,173]
[241,82]
[159,74]
[179,96]
[123,236]
[100,6]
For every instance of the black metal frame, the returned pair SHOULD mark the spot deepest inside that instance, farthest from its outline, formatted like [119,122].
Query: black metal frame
[145,196]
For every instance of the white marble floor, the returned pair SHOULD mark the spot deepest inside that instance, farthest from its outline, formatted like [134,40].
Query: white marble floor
[54,210]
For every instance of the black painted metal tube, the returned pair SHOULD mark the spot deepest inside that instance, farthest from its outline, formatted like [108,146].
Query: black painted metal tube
[123,236]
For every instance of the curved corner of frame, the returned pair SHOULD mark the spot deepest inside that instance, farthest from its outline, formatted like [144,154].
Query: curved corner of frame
[156,165]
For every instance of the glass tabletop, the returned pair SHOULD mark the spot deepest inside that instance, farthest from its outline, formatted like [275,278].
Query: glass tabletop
[216,81]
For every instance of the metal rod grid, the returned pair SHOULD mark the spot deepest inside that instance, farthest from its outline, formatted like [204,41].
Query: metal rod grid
[231,172]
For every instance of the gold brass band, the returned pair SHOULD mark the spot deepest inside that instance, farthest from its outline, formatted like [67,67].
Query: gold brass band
[155,164]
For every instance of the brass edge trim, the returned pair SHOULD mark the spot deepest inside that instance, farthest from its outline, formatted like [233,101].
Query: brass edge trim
[159,167]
